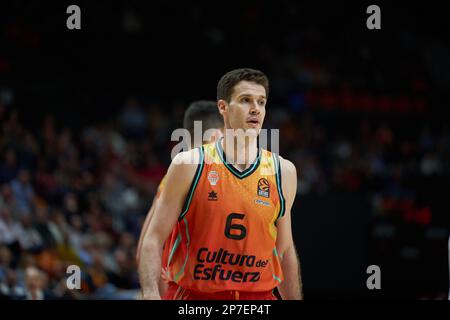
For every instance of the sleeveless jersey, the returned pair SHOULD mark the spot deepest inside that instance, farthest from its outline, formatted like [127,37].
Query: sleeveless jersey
[226,233]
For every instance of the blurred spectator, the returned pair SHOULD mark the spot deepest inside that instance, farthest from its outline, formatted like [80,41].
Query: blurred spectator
[42,225]
[23,191]
[5,261]
[8,228]
[8,167]
[35,284]
[10,286]
[30,240]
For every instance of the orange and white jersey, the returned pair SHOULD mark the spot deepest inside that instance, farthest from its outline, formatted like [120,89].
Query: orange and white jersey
[226,232]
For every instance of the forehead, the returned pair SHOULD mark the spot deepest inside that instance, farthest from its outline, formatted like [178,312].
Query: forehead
[248,88]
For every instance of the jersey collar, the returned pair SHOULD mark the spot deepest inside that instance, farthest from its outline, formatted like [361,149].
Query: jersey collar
[234,170]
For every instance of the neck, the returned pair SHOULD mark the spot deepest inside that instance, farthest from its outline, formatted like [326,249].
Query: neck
[241,152]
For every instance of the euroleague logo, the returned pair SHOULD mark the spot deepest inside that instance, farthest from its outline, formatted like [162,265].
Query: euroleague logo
[263,188]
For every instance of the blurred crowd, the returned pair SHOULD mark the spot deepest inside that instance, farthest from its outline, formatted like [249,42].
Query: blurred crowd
[80,199]
[361,114]
[73,200]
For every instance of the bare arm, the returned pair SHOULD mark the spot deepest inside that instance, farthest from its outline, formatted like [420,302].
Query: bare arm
[163,281]
[144,230]
[167,210]
[291,287]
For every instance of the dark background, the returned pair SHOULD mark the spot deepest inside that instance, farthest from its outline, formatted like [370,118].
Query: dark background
[362,113]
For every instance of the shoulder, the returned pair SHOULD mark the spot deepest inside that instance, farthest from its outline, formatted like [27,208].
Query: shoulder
[288,179]
[287,167]
[181,172]
[184,165]
[188,158]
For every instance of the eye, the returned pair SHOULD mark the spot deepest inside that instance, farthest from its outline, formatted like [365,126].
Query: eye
[262,102]
[245,99]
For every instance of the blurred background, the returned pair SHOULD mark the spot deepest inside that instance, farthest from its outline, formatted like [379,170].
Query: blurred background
[86,117]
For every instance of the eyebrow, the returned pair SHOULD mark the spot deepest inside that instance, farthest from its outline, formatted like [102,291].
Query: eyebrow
[249,95]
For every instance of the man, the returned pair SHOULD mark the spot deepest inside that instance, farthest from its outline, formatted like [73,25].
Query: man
[233,217]
[35,283]
[206,112]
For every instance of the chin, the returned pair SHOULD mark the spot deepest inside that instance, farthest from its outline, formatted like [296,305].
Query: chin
[253,131]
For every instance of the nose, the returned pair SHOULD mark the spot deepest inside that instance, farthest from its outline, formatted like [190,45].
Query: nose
[254,108]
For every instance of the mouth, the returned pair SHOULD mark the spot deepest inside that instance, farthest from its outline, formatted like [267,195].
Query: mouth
[253,122]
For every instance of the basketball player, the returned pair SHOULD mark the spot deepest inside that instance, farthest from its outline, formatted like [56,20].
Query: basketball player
[206,112]
[233,217]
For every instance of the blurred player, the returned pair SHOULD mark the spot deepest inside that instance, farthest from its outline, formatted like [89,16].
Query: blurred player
[207,113]
[233,218]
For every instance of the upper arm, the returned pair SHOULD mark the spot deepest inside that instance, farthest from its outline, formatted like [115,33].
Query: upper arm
[170,203]
[289,187]
[144,229]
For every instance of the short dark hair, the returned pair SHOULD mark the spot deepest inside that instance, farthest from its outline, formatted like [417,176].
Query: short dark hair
[230,79]
[205,111]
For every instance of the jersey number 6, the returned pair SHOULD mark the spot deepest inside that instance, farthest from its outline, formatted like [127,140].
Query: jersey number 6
[242,232]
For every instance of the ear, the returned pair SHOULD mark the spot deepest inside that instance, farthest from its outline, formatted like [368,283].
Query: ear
[223,106]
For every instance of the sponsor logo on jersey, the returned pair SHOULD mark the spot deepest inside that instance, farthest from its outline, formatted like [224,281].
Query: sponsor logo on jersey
[212,196]
[220,265]
[264,203]
[213,177]
[263,188]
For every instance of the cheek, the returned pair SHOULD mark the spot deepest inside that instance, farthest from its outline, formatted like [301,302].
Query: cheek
[263,113]
[238,113]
